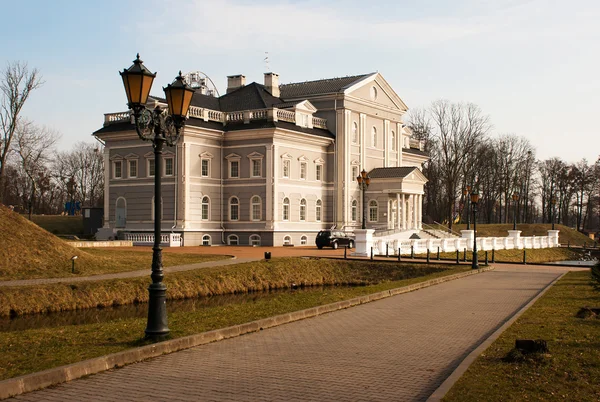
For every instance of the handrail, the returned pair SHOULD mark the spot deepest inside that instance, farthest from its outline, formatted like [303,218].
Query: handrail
[447,229]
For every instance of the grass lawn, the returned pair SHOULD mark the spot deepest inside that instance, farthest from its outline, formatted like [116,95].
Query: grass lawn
[39,349]
[538,255]
[571,369]
[59,224]
[96,261]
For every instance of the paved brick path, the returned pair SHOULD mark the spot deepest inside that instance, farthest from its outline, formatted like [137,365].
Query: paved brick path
[400,348]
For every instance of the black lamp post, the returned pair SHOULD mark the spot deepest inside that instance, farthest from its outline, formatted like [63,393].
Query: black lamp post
[467,193]
[553,212]
[160,128]
[474,201]
[363,181]
[515,198]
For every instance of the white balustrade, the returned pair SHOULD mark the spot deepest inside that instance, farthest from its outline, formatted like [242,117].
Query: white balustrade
[319,122]
[286,115]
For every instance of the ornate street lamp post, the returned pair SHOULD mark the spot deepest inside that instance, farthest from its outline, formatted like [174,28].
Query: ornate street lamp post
[553,212]
[474,201]
[363,181]
[466,193]
[159,127]
[515,198]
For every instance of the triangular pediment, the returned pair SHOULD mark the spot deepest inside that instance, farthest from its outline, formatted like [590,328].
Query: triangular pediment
[286,156]
[319,160]
[233,156]
[302,158]
[374,88]
[132,156]
[305,106]
[255,155]
[116,157]
[206,155]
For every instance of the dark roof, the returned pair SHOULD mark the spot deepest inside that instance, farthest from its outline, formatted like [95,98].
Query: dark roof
[248,97]
[326,86]
[415,151]
[115,127]
[391,172]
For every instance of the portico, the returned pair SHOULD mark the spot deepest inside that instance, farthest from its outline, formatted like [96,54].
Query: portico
[400,191]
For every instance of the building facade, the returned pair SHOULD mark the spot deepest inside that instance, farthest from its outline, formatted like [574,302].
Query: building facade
[270,164]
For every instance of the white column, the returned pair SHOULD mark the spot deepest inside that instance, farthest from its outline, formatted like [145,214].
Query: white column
[275,196]
[362,135]
[387,146]
[398,212]
[420,208]
[107,168]
[187,184]
[404,212]
[415,217]
[269,188]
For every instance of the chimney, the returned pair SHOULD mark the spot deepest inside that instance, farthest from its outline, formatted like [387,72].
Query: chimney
[272,84]
[234,82]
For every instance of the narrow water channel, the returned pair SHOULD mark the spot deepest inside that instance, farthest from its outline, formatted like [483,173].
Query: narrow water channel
[92,316]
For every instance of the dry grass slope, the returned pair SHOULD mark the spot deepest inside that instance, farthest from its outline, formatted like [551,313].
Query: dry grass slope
[29,251]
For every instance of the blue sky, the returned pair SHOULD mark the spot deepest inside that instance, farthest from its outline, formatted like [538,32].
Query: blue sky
[531,65]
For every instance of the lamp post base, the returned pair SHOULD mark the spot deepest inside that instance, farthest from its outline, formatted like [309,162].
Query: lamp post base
[157,328]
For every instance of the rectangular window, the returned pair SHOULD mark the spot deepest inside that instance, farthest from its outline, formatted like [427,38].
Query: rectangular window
[286,168]
[133,168]
[234,169]
[286,212]
[151,168]
[256,168]
[303,170]
[234,212]
[205,168]
[168,166]
[255,212]
[319,172]
[118,169]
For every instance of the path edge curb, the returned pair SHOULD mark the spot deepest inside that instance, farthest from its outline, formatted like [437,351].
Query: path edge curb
[54,376]
[449,382]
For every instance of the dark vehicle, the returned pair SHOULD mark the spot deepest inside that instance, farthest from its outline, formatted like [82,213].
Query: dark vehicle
[334,239]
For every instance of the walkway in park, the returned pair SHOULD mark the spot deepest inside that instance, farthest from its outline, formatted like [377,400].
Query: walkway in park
[399,348]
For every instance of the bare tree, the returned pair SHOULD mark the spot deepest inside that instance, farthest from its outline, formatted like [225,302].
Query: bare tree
[34,146]
[458,129]
[16,84]
[85,165]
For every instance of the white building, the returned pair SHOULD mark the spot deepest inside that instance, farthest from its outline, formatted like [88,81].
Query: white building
[270,164]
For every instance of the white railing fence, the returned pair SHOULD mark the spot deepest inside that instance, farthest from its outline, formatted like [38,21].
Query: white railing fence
[387,245]
[144,239]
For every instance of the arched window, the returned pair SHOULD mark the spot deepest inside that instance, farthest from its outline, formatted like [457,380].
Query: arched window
[255,240]
[354,133]
[234,209]
[374,137]
[354,210]
[121,212]
[255,207]
[286,209]
[393,140]
[303,209]
[373,211]
[233,240]
[205,208]
[318,209]
[287,240]
[206,240]
[303,240]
